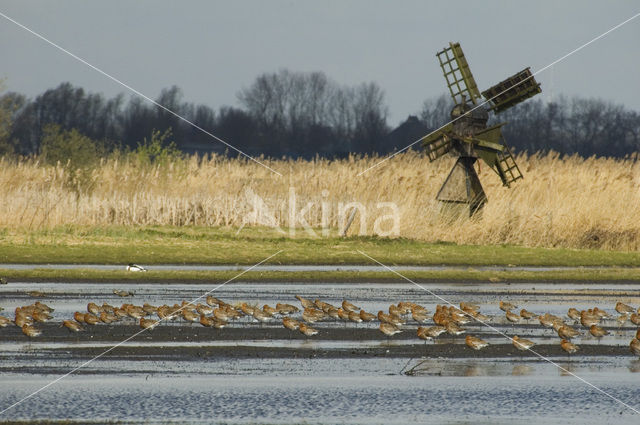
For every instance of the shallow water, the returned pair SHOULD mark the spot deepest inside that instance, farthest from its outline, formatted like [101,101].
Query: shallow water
[348,390]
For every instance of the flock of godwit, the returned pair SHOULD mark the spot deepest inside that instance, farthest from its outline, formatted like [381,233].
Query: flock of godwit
[447,319]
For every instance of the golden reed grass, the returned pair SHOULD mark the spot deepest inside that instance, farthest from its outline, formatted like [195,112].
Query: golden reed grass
[570,202]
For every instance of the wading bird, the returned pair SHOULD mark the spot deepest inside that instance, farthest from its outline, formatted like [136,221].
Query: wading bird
[135,268]
[521,343]
[475,342]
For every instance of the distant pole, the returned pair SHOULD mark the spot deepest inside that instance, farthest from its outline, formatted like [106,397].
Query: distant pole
[349,221]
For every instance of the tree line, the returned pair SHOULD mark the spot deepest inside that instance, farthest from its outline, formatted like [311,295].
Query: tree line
[301,114]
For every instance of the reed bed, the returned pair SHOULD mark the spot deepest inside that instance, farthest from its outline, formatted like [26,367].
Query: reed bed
[562,202]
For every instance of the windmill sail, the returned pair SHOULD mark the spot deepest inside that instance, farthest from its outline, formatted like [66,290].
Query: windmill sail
[460,81]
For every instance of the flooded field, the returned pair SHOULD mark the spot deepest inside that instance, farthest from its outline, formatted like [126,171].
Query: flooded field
[253,372]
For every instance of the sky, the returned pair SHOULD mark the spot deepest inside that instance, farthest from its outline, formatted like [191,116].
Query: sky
[212,49]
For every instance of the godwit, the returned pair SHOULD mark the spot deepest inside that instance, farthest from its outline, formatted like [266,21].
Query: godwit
[40,316]
[190,316]
[333,313]
[389,318]
[475,343]
[107,318]
[469,307]
[122,293]
[30,331]
[290,323]
[4,322]
[43,307]
[286,308]
[247,309]
[574,314]
[79,317]
[521,343]
[348,306]
[202,309]
[90,319]
[389,329]
[312,315]
[258,314]
[601,313]
[94,308]
[219,324]
[588,319]
[635,318]
[567,332]
[623,308]
[307,330]
[506,306]
[394,310]
[367,317]
[268,310]
[568,346]
[354,316]
[206,321]
[419,315]
[422,334]
[72,326]
[634,346]
[453,329]
[622,319]
[527,315]
[222,314]
[512,317]
[305,302]
[211,300]
[638,334]
[22,319]
[598,332]
[434,331]
[135,268]
[148,323]
[459,318]
[343,315]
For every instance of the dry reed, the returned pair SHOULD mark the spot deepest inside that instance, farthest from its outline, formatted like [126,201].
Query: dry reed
[569,202]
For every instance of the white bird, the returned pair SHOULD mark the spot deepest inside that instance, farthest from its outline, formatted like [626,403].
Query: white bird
[135,268]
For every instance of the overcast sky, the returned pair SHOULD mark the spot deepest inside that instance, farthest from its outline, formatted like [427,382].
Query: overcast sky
[211,49]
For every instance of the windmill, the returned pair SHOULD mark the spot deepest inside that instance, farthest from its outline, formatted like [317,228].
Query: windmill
[468,136]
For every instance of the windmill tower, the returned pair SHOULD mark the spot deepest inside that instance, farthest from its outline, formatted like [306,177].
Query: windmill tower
[468,136]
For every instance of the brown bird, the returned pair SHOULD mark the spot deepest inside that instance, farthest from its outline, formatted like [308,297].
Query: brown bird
[389,329]
[43,307]
[290,323]
[635,318]
[258,314]
[73,326]
[389,318]
[634,346]
[419,315]
[30,331]
[527,315]
[4,322]
[453,329]
[190,316]
[598,332]
[79,317]
[305,302]
[623,308]
[206,321]
[506,306]
[568,346]
[512,317]
[40,316]
[638,334]
[573,313]
[148,323]
[247,309]
[622,319]
[268,310]
[286,308]
[475,343]
[367,317]
[588,319]
[200,308]
[354,316]
[346,305]
[90,319]
[307,330]
[107,318]
[312,315]
[521,343]
[567,332]
[94,308]
[469,307]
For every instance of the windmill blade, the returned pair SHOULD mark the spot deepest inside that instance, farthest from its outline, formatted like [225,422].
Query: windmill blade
[491,146]
[438,143]
[512,91]
[460,81]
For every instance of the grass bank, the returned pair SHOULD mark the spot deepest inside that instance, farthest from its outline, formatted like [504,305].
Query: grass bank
[247,246]
[620,275]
